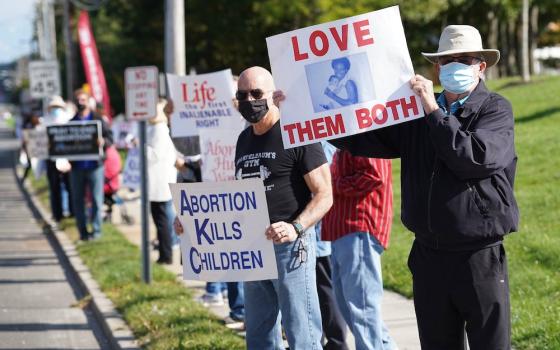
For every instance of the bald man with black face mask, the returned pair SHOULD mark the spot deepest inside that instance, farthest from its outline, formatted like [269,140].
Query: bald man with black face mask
[298,192]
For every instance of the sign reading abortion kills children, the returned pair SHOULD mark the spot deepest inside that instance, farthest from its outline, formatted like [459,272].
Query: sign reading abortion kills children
[202,101]
[75,140]
[224,225]
[217,149]
[343,77]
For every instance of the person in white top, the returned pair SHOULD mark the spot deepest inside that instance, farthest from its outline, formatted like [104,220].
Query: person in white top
[58,176]
[161,156]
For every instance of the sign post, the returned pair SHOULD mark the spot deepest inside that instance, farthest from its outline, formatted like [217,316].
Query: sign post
[141,86]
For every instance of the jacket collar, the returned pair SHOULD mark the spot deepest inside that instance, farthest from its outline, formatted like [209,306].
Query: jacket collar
[475,100]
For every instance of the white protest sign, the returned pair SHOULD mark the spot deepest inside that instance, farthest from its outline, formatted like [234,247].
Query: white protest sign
[44,80]
[131,173]
[141,91]
[124,131]
[37,142]
[217,149]
[224,225]
[343,77]
[202,101]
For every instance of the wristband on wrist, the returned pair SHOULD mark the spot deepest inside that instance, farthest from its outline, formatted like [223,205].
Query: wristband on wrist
[299,228]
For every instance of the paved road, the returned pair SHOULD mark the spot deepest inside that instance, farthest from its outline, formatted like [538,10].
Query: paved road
[38,304]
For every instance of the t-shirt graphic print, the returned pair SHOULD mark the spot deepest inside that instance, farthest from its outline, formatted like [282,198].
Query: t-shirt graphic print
[281,170]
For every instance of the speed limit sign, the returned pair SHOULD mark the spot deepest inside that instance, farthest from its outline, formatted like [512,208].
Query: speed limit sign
[44,80]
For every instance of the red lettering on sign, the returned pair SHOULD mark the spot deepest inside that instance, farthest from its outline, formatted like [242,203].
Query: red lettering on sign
[379,113]
[320,43]
[341,41]
[361,30]
[314,129]
[324,43]
[198,94]
[298,56]
[140,74]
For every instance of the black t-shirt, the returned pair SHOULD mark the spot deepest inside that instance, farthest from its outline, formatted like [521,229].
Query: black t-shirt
[281,169]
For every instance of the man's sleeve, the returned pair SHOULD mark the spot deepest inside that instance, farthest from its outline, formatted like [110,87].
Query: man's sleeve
[309,157]
[481,152]
[381,143]
[106,133]
[367,174]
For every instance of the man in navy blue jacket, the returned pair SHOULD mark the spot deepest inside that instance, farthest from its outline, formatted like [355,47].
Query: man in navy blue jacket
[89,173]
[458,169]
[457,174]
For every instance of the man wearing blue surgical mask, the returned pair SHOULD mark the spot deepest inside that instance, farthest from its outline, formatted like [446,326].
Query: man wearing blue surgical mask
[457,174]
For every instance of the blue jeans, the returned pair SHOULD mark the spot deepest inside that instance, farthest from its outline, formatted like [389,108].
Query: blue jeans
[236,300]
[358,287]
[215,288]
[92,178]
[170,212]
[291,298]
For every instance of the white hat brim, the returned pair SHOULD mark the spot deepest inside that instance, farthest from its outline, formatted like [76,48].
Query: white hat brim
[491,56]
[52,105]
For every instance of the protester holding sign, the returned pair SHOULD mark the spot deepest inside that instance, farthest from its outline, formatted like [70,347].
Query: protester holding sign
[458,169]
[59,182]
[298,194]
[291,177]
[88,173]
[161,172]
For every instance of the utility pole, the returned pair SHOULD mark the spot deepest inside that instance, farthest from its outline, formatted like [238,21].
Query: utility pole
[68,48]
[175,37]
[525,73]
[49,34]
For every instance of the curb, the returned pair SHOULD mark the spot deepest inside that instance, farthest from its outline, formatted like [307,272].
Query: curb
[113,325]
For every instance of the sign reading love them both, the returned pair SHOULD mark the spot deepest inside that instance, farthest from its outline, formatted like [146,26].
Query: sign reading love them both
[343,77]
[224,224]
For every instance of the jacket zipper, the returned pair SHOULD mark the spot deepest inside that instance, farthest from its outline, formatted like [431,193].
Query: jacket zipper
[430,202]
[476,197]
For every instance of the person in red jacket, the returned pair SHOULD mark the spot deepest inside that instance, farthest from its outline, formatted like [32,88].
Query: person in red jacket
[359,224]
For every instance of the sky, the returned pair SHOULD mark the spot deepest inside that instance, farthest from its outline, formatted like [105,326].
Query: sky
[16,28]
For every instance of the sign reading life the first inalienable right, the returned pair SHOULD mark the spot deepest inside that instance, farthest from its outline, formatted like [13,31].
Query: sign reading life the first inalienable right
[343,77]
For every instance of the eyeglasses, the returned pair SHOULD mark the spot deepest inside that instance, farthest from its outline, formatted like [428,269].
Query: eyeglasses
[242,95]
[468,60]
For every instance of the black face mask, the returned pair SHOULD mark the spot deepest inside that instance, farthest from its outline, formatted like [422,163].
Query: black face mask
[81,107]
[253,111]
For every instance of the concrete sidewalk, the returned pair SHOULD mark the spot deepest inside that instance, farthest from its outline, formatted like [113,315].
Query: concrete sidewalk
[39,301]
[398,311]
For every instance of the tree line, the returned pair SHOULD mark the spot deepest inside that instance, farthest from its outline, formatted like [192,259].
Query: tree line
[231,34]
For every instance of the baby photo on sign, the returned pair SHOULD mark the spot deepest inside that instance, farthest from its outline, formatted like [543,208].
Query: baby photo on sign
[339,82]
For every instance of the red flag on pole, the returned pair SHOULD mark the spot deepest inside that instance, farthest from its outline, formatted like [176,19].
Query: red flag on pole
[92,65]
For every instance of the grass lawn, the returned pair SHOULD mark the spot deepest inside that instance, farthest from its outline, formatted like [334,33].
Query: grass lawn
[534,251]
[162,315]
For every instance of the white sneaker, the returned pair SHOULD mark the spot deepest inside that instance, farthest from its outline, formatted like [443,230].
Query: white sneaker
[211,300]
[234,324]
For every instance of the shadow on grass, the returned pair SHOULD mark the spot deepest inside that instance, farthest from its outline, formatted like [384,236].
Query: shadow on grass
[537,115]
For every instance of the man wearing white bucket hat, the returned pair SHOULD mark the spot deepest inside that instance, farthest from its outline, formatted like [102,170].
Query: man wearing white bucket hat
[458,168]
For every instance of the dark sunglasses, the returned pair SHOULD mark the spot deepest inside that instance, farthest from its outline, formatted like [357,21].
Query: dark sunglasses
[468,60]
[242,95]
